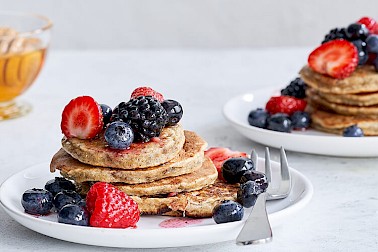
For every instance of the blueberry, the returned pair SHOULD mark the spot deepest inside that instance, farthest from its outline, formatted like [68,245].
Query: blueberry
[37,201]
[228,211]
[119,135]
[279,122]
[82,203]
[234,168]
[106,113]
[356,31]
[66,197]
[74,215]
[59,184]
[362,51]
[245,195]
[372,44]
[174,111]
[300,120]
[258,178]
[353,131]
[258,118]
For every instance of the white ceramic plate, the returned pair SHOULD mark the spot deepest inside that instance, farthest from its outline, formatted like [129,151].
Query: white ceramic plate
[236,111]
[151,231]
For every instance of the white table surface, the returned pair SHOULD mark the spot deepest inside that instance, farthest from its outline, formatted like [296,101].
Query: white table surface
[343,214]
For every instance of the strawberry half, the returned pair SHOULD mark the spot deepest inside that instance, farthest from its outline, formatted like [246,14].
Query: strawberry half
[336,58]
[111,208]
[285,104]
[219,154]
[82,118]
[147,91]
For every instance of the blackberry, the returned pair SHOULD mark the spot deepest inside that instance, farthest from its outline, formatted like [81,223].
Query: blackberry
[296,88]
[144,114]
[337,33]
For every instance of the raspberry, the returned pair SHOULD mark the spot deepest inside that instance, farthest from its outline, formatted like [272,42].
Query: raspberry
[111,208]
[285,104]
[370,24]
[147,91]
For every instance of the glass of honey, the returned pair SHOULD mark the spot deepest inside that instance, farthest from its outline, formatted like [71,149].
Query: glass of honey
[24,39]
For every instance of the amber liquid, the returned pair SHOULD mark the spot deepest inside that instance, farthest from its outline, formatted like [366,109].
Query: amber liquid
[18,71]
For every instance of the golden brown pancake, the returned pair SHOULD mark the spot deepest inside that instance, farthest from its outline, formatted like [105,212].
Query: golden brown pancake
[204,176]
[364,79]
[140,155]
[195,204]
[360,99]
[189,159]
[316,101]
[335,123]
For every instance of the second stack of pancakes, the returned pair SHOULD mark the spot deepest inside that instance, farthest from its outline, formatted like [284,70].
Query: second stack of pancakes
[336,104]
[158,175]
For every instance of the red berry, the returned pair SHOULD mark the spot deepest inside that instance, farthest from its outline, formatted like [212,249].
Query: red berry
[147,91]
[82,118]
[336,58]
[370,24]
[111,208]
[285,104]
[219,154]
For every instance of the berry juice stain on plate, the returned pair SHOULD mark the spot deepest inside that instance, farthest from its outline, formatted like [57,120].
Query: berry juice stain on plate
[179,222]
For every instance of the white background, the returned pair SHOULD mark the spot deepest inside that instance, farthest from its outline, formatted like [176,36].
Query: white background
[123,24]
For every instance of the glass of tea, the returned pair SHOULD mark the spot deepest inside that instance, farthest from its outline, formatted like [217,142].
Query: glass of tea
[24,39]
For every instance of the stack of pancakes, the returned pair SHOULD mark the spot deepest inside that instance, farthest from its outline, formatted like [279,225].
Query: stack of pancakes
[169,175]
[336,104]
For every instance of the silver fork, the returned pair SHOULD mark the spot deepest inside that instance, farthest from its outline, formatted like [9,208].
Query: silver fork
[257,228]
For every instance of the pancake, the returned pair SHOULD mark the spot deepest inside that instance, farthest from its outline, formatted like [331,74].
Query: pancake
[335,123]
[316,101]
[360,99]
[364,79]
[189,159]
[195,204]
[140,155]
[204,176]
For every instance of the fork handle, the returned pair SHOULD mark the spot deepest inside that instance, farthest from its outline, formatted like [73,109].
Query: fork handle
[257,218]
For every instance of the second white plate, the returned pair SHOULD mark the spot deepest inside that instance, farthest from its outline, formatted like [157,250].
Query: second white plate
[236,111]
[151,231]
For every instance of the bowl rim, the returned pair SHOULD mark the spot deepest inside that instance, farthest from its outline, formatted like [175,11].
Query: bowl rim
[48,23]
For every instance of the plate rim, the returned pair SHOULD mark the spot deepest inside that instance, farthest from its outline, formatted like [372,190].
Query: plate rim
[300,202]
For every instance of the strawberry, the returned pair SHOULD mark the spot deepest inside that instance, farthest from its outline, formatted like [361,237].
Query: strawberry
[82,118]
[219,154]
[111,208]
[336,58]
[370,24]
[147,91]
[285,104]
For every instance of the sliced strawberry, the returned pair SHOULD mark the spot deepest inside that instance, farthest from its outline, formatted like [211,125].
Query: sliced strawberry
[82,118]
[336,58]
[147,91]
[370,24]
[219,154]
[285,104]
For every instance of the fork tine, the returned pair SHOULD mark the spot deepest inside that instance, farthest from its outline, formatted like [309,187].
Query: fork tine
[285,174]
[255,158]
[268,170]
